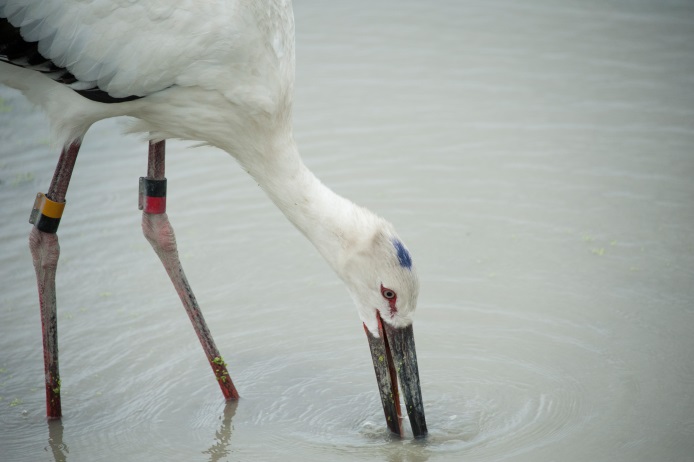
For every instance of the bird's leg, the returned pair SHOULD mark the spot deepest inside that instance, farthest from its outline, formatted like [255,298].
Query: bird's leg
[43,243]
[159,233]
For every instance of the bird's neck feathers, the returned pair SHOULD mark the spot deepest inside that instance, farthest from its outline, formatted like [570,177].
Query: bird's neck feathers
[336,226]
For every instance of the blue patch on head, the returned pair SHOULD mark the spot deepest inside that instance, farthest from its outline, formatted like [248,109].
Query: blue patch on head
[403,255]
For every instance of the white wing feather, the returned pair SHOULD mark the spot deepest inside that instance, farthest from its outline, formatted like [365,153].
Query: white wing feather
[220,62]
[137,47]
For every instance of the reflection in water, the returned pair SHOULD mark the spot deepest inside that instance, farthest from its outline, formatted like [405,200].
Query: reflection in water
[220,448]
[55,441]
[218,451]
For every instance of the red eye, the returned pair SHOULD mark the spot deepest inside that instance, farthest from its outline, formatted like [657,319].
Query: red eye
[391,296]
[387,293]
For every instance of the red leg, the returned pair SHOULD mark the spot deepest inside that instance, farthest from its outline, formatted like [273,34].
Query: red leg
[160,234]
[45,250]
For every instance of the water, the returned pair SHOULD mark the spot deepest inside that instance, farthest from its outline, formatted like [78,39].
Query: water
[536,157]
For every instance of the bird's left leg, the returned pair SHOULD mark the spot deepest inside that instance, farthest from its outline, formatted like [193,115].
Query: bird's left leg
[43,242]
[160,234]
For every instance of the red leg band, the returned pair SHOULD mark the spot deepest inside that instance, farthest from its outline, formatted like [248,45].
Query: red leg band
[154,205]
[153,196]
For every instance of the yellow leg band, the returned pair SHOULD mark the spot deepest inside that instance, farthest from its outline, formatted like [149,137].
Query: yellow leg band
[51,209]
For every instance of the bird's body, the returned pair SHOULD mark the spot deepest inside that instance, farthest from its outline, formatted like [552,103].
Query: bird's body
[219,73]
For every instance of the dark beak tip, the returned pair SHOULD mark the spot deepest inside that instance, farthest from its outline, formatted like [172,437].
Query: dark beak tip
[420,433]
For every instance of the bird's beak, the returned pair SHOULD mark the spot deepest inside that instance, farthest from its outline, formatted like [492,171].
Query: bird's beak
[393,353]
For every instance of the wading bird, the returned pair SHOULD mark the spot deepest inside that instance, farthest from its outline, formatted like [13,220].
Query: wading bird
[221,73]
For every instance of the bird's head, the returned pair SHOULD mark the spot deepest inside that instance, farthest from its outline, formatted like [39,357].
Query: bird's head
[380,275]
[382,279]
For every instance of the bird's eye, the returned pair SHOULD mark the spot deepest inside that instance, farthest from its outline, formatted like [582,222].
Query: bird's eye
[387,293]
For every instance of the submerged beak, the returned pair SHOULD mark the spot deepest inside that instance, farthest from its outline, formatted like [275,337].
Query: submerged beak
[394,352]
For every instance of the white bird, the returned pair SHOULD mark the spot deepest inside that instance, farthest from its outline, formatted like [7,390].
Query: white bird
[221,73]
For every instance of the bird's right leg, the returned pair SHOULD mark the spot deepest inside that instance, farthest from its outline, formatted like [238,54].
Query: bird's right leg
[159,232]
[43,242]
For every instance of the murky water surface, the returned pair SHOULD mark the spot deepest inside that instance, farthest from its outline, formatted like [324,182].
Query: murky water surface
[536,156]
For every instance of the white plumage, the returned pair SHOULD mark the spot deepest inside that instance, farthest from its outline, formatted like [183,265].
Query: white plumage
[218,62]
[137,48]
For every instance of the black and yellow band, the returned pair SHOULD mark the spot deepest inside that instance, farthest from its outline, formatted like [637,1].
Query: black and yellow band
[46,214]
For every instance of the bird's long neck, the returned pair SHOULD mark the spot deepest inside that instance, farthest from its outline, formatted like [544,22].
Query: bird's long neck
[331,222]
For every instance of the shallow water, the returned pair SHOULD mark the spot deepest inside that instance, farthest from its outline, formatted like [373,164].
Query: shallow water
[536,157]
